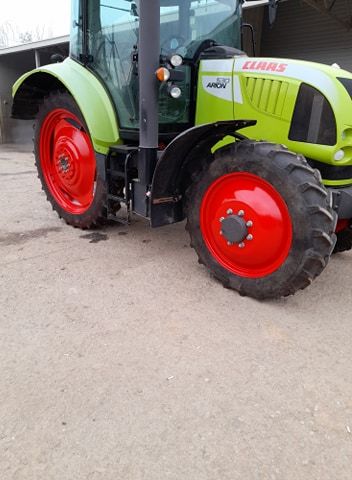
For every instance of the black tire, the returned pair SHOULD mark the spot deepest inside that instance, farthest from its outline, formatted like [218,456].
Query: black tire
[96,213]
[309,206]
[344,240]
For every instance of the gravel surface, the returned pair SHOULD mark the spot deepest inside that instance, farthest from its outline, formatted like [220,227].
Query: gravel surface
[121,358]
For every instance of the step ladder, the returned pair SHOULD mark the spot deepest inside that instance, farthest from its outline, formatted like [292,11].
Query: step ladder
[119,164]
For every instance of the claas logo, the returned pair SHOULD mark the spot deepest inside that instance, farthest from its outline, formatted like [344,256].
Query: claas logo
[265,66]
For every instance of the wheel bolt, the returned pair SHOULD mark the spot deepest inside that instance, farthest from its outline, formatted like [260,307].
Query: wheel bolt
[240,213]
[249,223]
[250,237]
[221,219]
[229,211]
[229,244]
[241,245]
[221,232]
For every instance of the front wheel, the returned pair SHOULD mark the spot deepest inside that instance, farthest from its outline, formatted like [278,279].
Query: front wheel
[66,162]
[261,220]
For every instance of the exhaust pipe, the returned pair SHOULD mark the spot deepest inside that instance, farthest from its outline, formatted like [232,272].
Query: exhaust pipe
[148,63]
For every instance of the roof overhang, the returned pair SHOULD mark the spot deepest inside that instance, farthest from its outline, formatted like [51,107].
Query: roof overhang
[258,3]
[51,42]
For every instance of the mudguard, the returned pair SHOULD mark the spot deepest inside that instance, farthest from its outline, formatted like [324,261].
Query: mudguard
[85,88]
[192,145]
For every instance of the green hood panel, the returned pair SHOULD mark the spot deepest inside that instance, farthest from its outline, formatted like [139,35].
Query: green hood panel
[266,89]
[91,97]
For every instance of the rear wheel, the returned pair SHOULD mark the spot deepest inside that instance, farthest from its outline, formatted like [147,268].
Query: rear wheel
[261,220]
[66,162]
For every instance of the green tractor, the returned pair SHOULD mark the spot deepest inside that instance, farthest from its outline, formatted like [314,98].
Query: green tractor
[159,112]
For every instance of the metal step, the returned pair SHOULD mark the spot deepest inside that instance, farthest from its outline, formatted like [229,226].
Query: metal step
[124,149]
[123,153]
[116,198]
[115,173]
[115,218]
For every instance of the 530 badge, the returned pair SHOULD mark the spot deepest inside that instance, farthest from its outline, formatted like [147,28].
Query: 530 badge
[221,82]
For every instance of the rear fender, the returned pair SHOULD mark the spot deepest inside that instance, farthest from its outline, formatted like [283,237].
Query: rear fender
[191,146]
[89,93]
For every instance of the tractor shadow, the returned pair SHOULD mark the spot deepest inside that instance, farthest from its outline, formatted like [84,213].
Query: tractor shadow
[326,290]
[329,295]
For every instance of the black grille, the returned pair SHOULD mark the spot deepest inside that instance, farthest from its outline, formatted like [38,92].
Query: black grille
[313,119]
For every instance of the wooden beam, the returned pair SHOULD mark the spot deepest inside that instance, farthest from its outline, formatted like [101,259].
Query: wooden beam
[325,7]
[329,4]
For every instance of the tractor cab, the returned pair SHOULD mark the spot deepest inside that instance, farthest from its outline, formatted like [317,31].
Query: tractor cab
[105,38]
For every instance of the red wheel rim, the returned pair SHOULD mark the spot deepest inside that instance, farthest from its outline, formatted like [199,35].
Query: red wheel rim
[67,160]
[267,221]
[342,225]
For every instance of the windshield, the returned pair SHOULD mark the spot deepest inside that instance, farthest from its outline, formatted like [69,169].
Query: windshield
[186,25]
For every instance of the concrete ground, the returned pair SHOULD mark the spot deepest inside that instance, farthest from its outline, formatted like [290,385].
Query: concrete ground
[121,358]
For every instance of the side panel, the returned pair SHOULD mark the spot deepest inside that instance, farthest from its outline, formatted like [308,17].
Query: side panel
[269,90]
[215,91]
[90,96]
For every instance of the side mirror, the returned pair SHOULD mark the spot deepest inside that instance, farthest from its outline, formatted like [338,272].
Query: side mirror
[134,10]
[272,11]
[272,4]
[57,58]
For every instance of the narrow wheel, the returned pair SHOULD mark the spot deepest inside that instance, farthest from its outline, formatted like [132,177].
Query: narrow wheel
[261,220]
[66,162]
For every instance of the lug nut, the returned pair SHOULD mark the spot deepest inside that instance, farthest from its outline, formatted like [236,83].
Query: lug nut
[229,244]
[221,219]
[241,245]
[221,232]
[249,223]
[240,213]
[250,237]
[229,211]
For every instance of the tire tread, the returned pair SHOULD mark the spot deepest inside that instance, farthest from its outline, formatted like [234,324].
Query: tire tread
[318,208]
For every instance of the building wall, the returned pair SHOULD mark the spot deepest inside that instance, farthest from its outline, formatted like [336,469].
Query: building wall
[301,32]
[11,67]
[254,16]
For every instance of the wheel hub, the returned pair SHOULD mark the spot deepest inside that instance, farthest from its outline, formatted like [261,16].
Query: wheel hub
[64,164]
[234,229]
